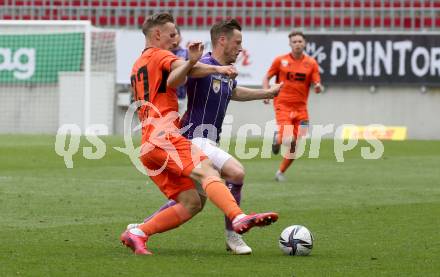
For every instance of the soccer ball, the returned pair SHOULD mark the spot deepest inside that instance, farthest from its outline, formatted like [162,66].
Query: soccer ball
[296,240]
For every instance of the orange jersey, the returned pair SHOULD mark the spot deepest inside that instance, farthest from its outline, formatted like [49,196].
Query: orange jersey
[297,76]
[149,82]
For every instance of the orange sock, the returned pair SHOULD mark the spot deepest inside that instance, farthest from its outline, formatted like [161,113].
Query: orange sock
[285,164]
[219,194]
[165,220]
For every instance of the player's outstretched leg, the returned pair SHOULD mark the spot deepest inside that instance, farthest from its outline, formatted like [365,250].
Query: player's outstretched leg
[169,218]
[219,194]
[276,145]
[234,241]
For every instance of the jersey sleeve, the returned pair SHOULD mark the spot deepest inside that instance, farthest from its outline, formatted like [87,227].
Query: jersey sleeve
[166,59]
[316,78]
[274,68]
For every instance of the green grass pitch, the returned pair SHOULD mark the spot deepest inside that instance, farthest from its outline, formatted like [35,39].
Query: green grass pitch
[369,217]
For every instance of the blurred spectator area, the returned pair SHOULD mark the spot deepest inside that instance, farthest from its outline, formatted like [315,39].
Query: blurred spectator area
[253,14]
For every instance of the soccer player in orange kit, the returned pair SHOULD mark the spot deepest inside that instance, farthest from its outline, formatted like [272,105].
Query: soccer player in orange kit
[298,71]
[172,162]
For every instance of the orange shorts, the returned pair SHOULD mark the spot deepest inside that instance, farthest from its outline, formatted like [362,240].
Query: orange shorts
[291,123]
[170,164]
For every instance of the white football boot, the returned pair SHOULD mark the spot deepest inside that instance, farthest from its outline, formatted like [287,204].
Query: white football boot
[279,176]
[236,244]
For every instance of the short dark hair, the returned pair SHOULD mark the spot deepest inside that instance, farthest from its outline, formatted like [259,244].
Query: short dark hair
[297,33]
[224,27]
[156,19]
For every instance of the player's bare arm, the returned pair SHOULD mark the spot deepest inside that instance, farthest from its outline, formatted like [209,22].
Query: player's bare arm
[179,69]
[248,94]
[266,80]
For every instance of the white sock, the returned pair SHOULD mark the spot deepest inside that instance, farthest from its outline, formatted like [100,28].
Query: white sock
[137,232]
[238,217]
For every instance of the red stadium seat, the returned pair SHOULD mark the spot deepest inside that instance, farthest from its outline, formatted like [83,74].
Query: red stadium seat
[122,20]
[317,21]
[200,21]
[140,20]
[248,21]
[387,22]
[407,22]
[437,22]
[367,22]
[377,21]
[112,20]
[249,3]
[268,21]
[427,22]
[307,22]
[209,21]
[258,21]
[180,20]
[287,21]
[277,22]
[288,4]
[103,20]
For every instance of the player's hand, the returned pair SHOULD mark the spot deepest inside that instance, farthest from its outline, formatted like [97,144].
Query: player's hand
[228,70]
[273,90]
[195,51]
[319,88]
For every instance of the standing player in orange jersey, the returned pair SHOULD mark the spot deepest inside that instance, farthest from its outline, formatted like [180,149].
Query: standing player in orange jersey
[172,162]
[297,71]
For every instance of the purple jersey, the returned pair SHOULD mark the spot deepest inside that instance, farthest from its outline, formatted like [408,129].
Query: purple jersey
[208,99]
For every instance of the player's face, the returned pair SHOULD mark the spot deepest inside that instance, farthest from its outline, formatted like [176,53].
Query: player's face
[297,43]
[168,35]
[177,40]
[233,47]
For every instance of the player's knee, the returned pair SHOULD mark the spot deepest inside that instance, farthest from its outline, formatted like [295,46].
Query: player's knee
[193,205]
[208,170]
[237,175]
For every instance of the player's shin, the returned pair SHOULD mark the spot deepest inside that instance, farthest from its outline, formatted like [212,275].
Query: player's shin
[219,194]
[169,218]
[170,203]
[235,190]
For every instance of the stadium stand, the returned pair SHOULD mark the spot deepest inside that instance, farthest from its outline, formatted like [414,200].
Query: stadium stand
[308,14]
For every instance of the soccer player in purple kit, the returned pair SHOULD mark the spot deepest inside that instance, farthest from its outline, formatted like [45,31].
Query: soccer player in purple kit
[208,99]
[181,52]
